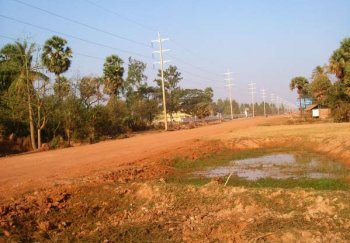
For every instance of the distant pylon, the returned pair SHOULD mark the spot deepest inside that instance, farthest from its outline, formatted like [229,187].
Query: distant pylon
[252,88]
[263,96]
[228,78]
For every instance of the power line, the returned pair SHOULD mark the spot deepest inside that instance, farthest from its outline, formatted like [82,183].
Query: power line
[153,30]
[121,16]
[7,37]
[76,53]
[72,36]
[195,75]
[81,24]
[190,64]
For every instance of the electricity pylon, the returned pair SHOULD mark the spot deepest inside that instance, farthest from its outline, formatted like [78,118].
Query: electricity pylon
[263,96]
[161,64]
[228,78]
[272,99]
[252,88]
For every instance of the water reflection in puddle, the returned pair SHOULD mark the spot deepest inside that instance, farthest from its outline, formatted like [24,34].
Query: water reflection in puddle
[280,166]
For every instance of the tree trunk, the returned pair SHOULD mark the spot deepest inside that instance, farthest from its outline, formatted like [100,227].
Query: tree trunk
[68,136]
[41,127]
[300,108]
[30,109]
[31,123]
[58,81]
[39,138]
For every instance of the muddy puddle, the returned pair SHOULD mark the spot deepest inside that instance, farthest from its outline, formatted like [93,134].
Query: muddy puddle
[280,166]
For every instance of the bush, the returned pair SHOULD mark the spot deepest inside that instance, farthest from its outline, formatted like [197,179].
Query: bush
[57,142]
[341,112]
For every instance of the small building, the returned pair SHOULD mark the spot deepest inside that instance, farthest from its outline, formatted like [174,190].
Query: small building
[177,117]
[315,111]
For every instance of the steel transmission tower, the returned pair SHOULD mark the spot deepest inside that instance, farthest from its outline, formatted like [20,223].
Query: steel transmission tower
[272,99]
[263,96]
[161,64]
[228,78]
[252,88]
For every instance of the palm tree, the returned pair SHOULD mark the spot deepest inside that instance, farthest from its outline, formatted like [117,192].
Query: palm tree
[113,72]
[301,84]
[18,57]
[56,57]
[340,60]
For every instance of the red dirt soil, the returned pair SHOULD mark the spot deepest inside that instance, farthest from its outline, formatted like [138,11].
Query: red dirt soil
[32,171]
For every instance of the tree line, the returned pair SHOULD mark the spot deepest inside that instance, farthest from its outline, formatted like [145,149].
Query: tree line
[329,85]
[88,108]
[35,109]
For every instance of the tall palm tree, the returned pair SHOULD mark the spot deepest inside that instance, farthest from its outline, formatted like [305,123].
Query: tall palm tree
[56,57]
[18,57]
[301,84]
[113,72]
[339,62]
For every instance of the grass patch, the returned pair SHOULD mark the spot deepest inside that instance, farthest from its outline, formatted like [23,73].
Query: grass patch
[317,184]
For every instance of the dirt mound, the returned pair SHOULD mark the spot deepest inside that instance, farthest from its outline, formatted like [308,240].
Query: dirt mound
[158,211]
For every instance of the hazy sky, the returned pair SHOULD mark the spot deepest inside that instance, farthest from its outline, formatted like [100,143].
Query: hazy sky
[266,42]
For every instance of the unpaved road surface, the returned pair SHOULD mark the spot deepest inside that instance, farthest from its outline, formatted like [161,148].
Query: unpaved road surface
[31,171]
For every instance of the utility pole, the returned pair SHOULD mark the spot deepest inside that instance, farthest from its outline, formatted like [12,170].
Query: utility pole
[228,78]
[263,95]
[161,64]
[252,87]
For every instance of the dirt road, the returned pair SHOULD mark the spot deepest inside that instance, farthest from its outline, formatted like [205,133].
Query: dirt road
[31,171]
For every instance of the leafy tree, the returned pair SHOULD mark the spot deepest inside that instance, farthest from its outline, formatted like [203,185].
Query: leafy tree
[113,72]
[140,98]
[223,107]
[90,90]
[301,84]
[197,102]
[56,57]
[62,88]
[339,101]
[136,77]
[43,107]
[117,112]
[99,123]
[73,118]
[172,78]
[19,56]
[320,84]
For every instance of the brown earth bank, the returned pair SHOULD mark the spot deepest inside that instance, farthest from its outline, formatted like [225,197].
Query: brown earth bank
[94,196]
[157,211]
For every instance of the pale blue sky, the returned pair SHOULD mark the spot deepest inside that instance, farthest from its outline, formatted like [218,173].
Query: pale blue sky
[267,42]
